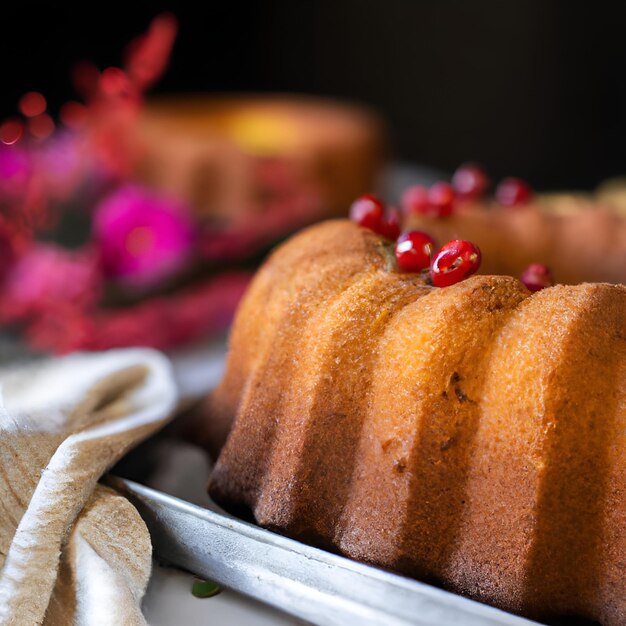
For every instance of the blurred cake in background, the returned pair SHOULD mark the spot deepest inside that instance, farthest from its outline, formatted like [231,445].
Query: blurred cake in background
[613,193]
[235,158]
[580,237]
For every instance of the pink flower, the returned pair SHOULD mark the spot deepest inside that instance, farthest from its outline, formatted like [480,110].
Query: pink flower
[143,238]
[47,277]
[62,164]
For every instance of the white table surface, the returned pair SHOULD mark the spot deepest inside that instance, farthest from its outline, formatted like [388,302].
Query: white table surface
[169,602]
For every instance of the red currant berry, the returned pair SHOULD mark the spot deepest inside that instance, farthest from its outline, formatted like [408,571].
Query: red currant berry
[537,277]
[513,192]
[415,200]
[390,225]
[413,251]
[470,181]
[441,198]
[368,211]
[454,262]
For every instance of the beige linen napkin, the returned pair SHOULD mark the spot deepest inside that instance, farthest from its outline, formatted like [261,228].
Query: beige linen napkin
[71,551]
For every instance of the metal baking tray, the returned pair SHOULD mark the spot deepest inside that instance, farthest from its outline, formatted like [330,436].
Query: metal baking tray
[311,584]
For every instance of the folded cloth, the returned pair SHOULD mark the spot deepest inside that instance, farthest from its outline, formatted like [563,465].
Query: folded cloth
[72,551]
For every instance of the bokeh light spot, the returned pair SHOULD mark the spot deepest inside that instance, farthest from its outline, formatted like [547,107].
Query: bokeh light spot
[41,126]
[32,104]
[11,131]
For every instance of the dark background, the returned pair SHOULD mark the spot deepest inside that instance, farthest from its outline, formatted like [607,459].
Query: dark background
[533,88]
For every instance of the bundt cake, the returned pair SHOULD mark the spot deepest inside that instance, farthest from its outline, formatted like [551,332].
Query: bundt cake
[473,436]
[581,237]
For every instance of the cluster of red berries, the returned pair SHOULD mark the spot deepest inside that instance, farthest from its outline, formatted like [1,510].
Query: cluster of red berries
[451,264]
[470,182]
[415,250]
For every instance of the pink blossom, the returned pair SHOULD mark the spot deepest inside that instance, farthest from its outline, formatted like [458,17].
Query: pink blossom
[46,277]
[143,238]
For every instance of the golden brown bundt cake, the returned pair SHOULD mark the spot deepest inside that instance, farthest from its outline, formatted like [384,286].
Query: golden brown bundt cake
[473,435]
